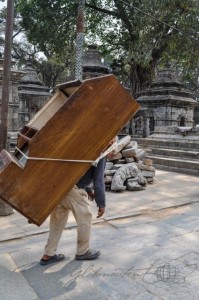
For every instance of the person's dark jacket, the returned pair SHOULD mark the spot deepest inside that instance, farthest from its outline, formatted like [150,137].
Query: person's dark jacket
[95,176]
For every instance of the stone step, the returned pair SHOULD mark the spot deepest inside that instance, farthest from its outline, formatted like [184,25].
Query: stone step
[181,155]
[165,152]
[190,145]
[175,164]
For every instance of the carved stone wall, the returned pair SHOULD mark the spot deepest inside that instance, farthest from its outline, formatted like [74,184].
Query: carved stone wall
[13,108]
[27,94]
[170,105]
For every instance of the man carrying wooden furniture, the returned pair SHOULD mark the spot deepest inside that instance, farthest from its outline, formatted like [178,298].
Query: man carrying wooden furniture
[77,201]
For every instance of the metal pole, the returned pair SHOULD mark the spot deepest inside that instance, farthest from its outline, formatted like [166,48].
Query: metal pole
[4,208]
[6,73]
[80,41]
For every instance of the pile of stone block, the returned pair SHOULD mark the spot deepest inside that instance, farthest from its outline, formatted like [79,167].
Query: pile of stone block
[128,168]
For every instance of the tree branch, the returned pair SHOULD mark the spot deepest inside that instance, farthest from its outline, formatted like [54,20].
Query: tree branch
[103,10]
[125,18]
[19,31]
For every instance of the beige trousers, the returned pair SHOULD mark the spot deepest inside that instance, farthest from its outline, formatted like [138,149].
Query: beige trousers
[77,202]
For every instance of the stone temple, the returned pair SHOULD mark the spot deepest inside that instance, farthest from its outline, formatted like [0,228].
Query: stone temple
[167,124]
[167,107]
[33,94]
[27,95]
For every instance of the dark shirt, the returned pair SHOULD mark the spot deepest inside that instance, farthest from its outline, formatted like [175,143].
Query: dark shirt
[95,176]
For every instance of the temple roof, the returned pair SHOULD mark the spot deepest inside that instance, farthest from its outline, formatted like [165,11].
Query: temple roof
[31,84]
[92,61]
[30,76]
[166,88]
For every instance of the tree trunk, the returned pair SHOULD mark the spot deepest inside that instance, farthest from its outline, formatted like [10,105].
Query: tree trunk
[4,208]
[141,78]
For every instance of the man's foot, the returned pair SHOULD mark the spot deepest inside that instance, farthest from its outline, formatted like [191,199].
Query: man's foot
[45,260]
[90,254]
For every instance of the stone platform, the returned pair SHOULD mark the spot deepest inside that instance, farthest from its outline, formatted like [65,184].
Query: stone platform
[173,152]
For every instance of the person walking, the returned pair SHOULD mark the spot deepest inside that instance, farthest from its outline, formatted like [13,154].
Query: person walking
[77,201]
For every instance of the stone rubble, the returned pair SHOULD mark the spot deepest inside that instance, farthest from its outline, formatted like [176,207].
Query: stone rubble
[128,168]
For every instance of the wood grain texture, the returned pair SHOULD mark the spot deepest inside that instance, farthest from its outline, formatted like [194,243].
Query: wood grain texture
[78,127]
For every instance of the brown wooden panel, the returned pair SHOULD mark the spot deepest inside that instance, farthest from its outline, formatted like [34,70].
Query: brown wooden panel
[77,127]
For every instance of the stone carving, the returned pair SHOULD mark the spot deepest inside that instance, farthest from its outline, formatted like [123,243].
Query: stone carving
[130,152]
[108,179]
[124,172]
[132,173]
[123,142]
[109,165]
[133,185]
[132,144]
[109,172]
[116,156]
[129,159]
[145,167]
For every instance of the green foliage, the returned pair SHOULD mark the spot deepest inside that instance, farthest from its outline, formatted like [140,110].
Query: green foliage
[133,35]
[51,71]
[140,34]
[49,25]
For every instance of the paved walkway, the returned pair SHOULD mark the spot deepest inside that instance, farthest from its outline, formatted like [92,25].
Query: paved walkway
[149,242]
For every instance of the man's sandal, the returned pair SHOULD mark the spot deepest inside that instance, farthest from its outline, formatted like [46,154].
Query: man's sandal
[90,254]
[53,259]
